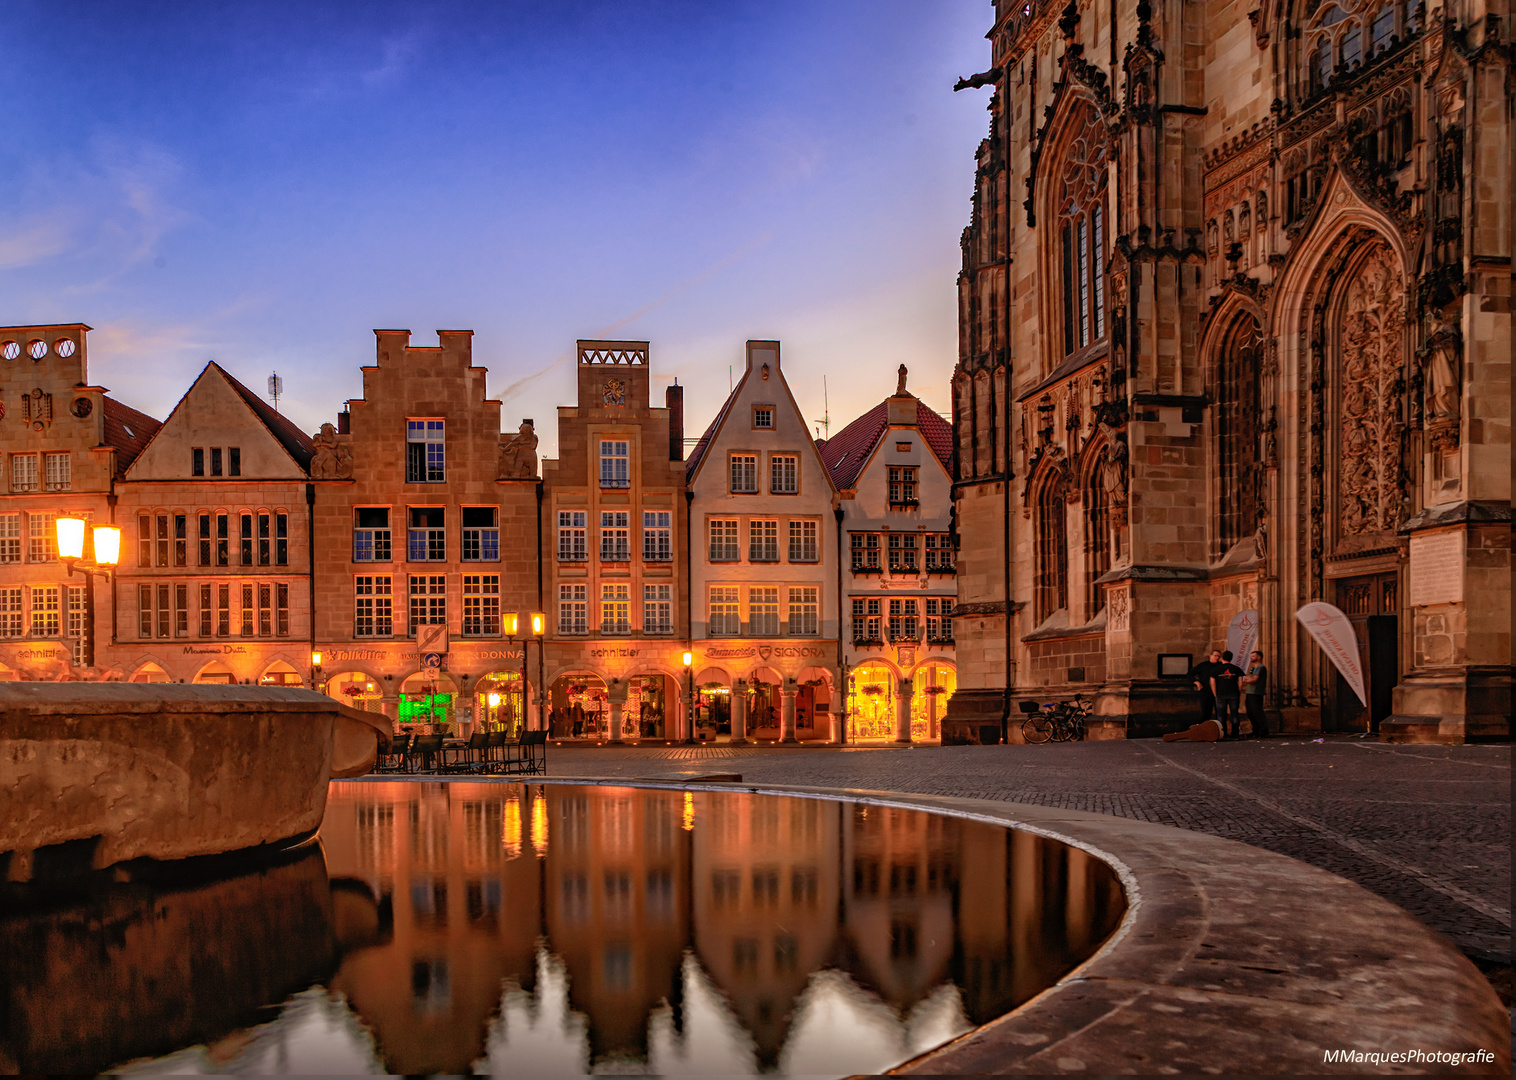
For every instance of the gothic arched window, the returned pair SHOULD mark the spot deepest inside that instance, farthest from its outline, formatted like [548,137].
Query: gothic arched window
[1052,579]
[1082,231]
[1097,541]
[1237,430]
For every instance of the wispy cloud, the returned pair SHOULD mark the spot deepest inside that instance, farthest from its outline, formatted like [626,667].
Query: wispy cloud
[34,239]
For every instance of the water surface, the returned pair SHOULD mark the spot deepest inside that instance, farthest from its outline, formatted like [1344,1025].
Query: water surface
[550,929]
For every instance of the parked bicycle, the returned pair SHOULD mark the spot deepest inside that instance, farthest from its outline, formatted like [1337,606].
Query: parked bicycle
[1054,721]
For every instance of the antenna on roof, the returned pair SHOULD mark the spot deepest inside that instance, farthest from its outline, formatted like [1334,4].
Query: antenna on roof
[275,389]
[826,410]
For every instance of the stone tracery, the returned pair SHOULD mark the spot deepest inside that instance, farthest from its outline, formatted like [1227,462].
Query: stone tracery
[1371,367]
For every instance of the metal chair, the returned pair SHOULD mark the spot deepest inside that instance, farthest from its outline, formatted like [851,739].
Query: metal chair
[392,759]
[423,755]
[468,757]
[494,752]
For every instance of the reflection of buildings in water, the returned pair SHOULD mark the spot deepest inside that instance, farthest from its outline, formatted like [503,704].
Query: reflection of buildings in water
[617,909]
[465,912]
[765,897]
[900,868]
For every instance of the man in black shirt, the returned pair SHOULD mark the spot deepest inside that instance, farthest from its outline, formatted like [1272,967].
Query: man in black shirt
[1201,673]
[1226,684]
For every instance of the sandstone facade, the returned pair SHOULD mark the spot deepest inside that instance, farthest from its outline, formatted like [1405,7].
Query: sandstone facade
[1235,332]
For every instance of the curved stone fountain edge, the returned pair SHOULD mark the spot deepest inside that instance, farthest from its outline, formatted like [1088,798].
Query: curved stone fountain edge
[1230,959]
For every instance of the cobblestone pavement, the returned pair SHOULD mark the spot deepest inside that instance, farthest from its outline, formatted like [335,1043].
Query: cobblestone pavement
[1427,827]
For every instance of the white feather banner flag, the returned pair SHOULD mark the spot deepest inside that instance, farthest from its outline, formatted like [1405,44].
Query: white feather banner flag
[1332,631]
[1242,637]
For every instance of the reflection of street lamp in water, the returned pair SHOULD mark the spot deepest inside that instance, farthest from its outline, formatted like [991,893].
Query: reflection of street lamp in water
[107,544]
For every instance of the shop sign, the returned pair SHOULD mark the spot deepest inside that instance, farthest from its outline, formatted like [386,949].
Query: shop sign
[496,654]
[40,654]
[215,650]
[615,652]
[337,656]
[763,652]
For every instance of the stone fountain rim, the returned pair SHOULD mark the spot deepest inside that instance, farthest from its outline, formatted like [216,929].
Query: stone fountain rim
[59,699]
[1298,961]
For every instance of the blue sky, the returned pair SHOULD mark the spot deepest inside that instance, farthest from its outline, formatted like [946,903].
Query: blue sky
[263,184]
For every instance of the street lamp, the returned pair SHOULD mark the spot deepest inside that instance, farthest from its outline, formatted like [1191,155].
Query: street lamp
[689,707]
[315,671]
[107,543]
[523,626]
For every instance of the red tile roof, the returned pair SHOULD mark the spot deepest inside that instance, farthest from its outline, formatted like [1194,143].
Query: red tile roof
[128,431]
[846,452]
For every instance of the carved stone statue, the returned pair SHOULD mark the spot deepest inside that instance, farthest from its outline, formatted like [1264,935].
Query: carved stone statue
[518,457]
[1443,385]
[1113,472]
[900,386]
[1261,536]
[332,460]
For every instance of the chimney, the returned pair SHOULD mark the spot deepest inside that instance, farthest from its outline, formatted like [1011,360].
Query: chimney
[344,423]
[673,399]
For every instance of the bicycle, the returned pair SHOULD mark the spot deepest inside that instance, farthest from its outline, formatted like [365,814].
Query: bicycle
[1055,721]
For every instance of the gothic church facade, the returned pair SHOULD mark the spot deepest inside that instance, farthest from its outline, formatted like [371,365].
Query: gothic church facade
[1235,333]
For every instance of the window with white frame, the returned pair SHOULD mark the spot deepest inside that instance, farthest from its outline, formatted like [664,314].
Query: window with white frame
[426,539]
[763,610]
[867,613]
[615,536]
[428,601]
[725,619]
[805,610]
[373,608]
[572,531]
[744,474]
[657,536]
[23,472]
[657,609]
[41,544]
[804,546]
[481,605]
[481,534]
[724,540]
[57,469]
[10,538]
[762,541]
[784,474]
[865,551]
[615,463]
[903,481]
[425,452]
[939,553]
[939,619]
[615,609]
[10,611]
[763,417]
[903,552]
[371,534]
[904,617]
[573,604]
[45,612]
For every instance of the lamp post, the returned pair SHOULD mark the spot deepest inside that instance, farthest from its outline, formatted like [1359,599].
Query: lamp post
[316,683]
[689,697]
[523,626]
[107,545]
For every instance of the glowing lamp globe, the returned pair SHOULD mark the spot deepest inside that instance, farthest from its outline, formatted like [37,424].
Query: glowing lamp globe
[107,545]
[70,537]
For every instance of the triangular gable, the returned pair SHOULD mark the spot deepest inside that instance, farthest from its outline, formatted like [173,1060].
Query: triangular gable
[216,412]
[712,437]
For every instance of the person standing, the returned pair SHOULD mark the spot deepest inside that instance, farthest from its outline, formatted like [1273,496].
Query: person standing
[1201,674]
[1226,685]
[1254,685]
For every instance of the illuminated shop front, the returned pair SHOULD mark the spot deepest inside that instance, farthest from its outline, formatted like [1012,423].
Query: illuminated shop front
[871,703]
[499,702]
[577,708]
[429,698]
[933,685]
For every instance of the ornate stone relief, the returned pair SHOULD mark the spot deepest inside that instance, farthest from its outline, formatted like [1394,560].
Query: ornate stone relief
[1371,368]
[37,408]
[333,459]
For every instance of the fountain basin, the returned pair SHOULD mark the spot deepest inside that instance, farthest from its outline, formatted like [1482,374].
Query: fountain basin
[95,774]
